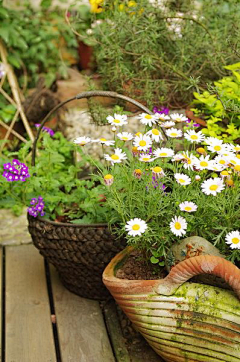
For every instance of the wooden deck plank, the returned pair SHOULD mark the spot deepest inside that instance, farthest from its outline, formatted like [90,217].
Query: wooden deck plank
[81,329]
[29,334]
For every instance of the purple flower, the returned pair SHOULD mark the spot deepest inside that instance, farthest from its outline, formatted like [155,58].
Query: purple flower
[37,208]
[16,171]
[196,125]
[162,110]
[46,129]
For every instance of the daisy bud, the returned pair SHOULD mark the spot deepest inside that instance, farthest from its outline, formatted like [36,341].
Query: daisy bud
[224,174]
[108,179]
[138,134]
[237,168]
[137,173]
[197,178]
[230,183]
[135,151]
[201,151]
[114,129]
[158,172]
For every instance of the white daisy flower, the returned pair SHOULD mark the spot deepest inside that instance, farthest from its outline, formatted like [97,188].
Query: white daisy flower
[188,160]
[202,163]
[233,239]
[125,136]
[167,124]
[136,227]
[213,166]
[216,145]
[118,120]
[212,186]
[177,117]
[234,160]
[194,136]
[157,172]
[82,141]
[182,179]
[105,142]
[221,160]
[212,140]
[174,132]
[117,157]
[237,169]
[188,206]
[163,152]
[146,158]
[155,134]
[142,142]
[162,117]
[233,148]
[178,225]
[147,119]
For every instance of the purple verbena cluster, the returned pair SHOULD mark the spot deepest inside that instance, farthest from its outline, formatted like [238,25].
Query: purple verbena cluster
[156,184]
[194,124]
[162,110]
[46,129]
[37,208]
[15,171]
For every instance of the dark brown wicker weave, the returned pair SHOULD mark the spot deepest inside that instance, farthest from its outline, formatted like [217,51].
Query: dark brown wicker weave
[80,253]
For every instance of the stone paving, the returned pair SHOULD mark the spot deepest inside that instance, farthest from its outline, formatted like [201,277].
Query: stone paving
[13,229]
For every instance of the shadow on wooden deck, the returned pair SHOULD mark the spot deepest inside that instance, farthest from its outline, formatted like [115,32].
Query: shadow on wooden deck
[43,322]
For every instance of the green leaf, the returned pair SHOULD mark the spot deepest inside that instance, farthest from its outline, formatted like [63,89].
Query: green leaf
[4,13]
[4,33]
[154,260]
[15,61]
[45,4]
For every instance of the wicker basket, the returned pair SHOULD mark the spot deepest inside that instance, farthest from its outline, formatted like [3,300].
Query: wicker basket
[80,253]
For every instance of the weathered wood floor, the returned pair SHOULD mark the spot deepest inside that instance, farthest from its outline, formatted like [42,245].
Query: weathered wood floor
[43,322]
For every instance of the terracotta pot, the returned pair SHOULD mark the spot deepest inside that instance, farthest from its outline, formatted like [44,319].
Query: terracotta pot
[183,321]
[85,53]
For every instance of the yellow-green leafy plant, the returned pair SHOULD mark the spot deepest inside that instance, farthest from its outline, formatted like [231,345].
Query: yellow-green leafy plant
[220,106]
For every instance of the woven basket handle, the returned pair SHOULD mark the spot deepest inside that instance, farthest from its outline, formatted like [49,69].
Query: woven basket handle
[81,96]
[203,264]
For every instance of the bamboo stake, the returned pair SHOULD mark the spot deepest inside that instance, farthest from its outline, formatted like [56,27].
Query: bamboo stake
[15,90]
[13,132]
[10,128]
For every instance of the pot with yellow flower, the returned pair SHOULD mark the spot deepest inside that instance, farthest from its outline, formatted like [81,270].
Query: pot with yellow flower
[159,196]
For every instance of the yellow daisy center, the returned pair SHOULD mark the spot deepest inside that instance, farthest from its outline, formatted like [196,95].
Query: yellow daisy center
[224,173]
[182,180]
[115,157]
[138,134]
[235,240]
[203,163]
[189,161]
[108,177]
[136,227]
[222,162]
[188,208]
[157,169]
[116,121]
[237,168]
[233,162]
[155,132]
[103,139]
[217,148]
[83,143]
[138,171]
[194,137]
[134,149]
[142,143]
[124,138]
[213,187]
[174,134]
[178,119]
[238,156]
[177,225]
[145,158]
[148,116]
[201,150]
[163,154]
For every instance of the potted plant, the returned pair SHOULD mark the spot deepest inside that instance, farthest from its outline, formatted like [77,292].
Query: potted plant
[67,214]
[163,191]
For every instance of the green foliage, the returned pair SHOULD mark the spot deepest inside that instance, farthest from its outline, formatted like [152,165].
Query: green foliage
[34,39]
[56,178]
[156,54]
[220,106]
